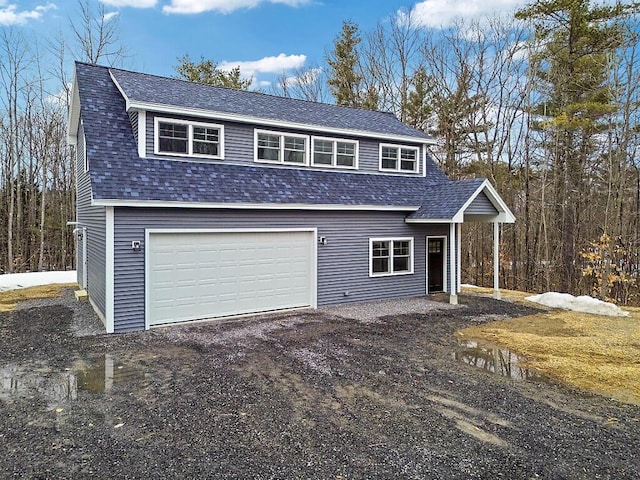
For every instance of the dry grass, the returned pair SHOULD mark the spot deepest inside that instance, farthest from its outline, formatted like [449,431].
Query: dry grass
[9,300]
[591,352]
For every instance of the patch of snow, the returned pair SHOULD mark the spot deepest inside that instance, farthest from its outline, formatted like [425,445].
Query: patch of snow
[468,285]
[13,281]
[583,303]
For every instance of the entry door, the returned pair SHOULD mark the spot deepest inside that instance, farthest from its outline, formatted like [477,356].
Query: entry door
[435,252]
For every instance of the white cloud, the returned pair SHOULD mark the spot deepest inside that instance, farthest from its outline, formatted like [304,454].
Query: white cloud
[9,14]
[109,16]
[442,13]
[222,6]
[131,3]
[266,65]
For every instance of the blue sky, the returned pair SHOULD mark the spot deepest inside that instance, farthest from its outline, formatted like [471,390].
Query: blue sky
[264,37]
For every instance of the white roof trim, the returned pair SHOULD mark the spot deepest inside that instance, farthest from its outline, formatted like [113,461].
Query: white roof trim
[235,117]
[504,214]
[243,206]
[428,220]
[74,113]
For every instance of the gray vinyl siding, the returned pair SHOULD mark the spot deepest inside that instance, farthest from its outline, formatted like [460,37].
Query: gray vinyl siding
[133,116]
[93,219]
[343,263]
[239,144]
[481,205]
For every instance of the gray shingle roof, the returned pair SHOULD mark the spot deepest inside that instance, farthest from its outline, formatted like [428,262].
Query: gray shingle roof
[141,87]
[118,173]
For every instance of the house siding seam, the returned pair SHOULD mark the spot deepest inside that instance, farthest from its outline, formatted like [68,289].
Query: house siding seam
[343,264]
[93,219]
[239,137]
[481,205]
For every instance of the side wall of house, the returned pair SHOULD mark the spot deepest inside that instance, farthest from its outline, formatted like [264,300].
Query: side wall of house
[343,263]
[92,220]
[239,144]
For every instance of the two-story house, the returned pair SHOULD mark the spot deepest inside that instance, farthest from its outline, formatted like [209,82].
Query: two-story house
[197,202]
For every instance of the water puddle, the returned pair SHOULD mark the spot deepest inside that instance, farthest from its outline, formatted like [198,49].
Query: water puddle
[97,375]
[494,358]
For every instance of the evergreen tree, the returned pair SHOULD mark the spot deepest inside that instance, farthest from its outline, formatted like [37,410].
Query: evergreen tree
[345,78]
[208,72]
[571,73]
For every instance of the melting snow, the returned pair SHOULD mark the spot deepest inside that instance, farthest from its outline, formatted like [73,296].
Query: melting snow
[13,281]
[583,303]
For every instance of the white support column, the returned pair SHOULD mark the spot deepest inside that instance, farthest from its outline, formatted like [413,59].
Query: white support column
[496,260]
[453,255]
[459,259]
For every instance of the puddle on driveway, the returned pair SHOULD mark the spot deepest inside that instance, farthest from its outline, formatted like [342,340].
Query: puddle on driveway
[494,358]
[97,375]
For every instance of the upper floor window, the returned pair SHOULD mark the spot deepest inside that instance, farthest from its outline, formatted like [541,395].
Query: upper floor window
[398,158]
[287,148]
[184,138]
[334,152]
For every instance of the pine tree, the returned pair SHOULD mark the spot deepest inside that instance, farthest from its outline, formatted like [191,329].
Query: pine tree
[345,79]
[571,71]
[208,72]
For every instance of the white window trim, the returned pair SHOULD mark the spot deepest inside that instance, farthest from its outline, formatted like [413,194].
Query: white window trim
[399,147]
[334,158]
[281,135]
[190,124]
[391,239]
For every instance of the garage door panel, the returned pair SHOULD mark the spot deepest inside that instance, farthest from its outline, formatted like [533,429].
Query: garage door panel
[206,275]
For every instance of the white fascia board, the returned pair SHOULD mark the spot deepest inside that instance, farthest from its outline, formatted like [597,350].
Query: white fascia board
[74,113]
[428,220]
[504,214]
[254,206]
[234,117]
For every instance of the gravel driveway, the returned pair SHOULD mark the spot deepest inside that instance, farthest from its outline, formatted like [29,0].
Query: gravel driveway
[372,391]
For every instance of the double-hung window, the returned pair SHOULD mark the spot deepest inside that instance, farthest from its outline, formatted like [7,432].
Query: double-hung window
[390,256]
[184,138]
[398,158]
[286,148]
[334,152]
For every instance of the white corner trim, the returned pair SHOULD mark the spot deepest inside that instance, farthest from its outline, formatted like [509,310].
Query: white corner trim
[142,133]
[109,270]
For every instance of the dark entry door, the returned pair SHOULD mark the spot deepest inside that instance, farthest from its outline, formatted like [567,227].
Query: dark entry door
[436,263]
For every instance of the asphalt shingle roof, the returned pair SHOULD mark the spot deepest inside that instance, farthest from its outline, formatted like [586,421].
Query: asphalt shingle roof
[141,87]
[118,173]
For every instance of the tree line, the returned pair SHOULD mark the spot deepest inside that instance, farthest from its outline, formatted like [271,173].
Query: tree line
[544,104]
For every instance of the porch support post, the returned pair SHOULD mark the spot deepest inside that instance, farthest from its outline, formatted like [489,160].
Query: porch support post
[453,271]
[459,259]
[496,260]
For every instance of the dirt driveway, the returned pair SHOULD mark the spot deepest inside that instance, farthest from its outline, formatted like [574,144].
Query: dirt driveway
[369,392]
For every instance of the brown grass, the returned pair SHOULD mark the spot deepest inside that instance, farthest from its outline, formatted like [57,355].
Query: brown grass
[595,353]
[9,299]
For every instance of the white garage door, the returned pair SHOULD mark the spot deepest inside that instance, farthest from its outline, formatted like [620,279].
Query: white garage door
[205,275]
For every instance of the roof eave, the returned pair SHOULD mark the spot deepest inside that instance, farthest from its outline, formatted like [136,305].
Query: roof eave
[111,202]
[74,113]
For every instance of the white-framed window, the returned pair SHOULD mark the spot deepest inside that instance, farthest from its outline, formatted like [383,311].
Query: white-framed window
[334,152]
[188,139]
[278,147]
[390,256]
[399,158]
